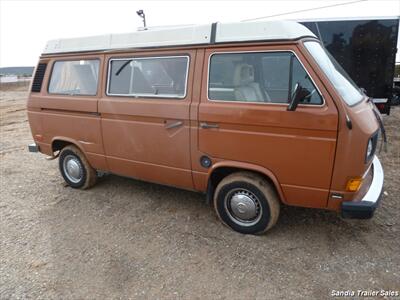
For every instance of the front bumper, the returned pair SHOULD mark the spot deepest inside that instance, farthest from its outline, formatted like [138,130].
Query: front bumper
[365,208]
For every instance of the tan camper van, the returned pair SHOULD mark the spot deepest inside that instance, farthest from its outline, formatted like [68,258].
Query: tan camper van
[255,115]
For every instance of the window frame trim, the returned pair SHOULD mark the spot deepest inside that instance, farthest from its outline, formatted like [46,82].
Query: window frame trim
[137,96]
[263,103]
[74,95]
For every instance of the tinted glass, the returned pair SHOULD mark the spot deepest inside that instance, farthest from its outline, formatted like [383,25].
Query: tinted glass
[155,77]
[78,77]
[268,77]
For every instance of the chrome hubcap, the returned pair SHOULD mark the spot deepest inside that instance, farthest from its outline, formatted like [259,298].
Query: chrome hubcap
[73,168]
[243,207]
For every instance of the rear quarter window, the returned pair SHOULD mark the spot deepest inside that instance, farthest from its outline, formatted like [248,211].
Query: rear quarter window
[74,77]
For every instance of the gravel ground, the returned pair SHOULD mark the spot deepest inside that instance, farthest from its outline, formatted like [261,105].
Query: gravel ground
[130,239]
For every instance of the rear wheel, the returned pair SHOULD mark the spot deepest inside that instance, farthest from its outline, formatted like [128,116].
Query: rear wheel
[247,203]
[75,168]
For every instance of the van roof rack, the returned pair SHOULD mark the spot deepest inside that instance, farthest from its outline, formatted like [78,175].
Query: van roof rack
[182,36]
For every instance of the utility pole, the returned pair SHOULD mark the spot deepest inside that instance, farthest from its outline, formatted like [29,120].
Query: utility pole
[141,14]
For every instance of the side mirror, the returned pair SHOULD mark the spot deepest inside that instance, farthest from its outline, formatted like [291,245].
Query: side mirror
[299,94]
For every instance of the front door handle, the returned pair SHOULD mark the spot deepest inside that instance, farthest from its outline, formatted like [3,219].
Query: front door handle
[173,125]
[208,126]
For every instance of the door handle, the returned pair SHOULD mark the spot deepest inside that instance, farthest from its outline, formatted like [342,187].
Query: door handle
[173,125]
[208,126]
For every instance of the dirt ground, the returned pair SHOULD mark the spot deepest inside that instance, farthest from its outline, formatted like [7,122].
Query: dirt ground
[130,239]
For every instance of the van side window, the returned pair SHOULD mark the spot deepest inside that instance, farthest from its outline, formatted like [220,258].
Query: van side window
[164,77]
[266,77]
[74,77]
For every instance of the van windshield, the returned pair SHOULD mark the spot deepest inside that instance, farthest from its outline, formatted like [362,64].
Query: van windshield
[341,81]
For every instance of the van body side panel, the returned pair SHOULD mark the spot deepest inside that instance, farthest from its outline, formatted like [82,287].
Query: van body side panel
[351,143]
[199,177]
[69,118]
[298,147]
[137,140]
[351,153]
[34,112]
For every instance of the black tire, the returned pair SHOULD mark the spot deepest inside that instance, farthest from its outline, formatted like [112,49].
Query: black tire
[87,175]
[254,187]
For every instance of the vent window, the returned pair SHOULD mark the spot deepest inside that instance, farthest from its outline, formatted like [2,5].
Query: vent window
[38,80]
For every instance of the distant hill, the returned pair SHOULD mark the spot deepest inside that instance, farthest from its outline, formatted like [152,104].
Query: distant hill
[18,71]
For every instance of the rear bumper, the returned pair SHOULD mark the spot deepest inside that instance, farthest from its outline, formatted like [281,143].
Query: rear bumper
[33,147]
[365,208]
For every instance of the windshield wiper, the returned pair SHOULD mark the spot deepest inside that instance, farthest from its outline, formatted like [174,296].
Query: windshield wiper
[122,67]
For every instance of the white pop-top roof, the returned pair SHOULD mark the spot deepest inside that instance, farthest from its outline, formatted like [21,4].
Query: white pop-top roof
[183,35]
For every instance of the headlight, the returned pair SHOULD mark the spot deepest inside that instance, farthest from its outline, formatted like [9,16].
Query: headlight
[371,146]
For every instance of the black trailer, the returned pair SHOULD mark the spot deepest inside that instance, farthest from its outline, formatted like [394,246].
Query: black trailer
[366,49]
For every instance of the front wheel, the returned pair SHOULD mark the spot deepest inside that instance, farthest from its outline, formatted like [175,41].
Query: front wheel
[75,169]
[247,203]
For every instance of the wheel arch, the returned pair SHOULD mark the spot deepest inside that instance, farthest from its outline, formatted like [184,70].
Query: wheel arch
[222,169]
[59,142]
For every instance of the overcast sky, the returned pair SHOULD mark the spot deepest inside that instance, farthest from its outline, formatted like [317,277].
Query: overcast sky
[25,26]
